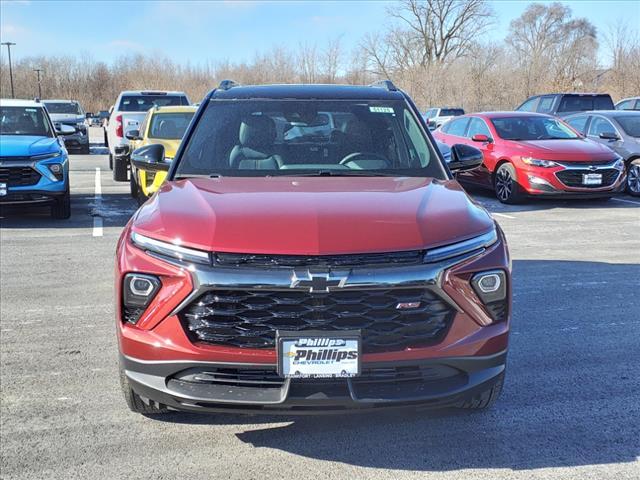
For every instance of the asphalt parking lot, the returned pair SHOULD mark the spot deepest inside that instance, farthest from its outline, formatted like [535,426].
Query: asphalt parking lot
[570,409]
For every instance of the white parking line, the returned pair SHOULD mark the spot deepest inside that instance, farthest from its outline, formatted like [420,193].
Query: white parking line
[97,221]
[626,201]
[502,215]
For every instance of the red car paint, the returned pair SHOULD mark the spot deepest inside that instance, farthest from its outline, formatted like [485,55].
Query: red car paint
[269,223]
[499,150]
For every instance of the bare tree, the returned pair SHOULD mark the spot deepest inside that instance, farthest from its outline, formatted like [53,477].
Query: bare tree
[551,47]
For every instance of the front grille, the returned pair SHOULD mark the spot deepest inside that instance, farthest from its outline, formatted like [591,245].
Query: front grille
[573,177]
[19,176]
[250,318]
[412,257]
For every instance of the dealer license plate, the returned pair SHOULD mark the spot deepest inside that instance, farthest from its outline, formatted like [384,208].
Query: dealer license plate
[3,189]
[319,354]
[592,179]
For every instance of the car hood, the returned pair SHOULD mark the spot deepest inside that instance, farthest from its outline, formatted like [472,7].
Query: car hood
[578,150]
[23,145]
[310,215]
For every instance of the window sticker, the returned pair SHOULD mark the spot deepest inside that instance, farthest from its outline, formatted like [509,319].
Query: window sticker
[381,110]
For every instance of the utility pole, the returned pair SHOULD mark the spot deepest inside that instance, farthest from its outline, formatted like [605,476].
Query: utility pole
[9,44]
[38,70]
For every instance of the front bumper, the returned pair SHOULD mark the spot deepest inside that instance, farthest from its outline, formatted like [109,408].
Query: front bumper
[47,189]
[432,383]
[548,183]
[76,141]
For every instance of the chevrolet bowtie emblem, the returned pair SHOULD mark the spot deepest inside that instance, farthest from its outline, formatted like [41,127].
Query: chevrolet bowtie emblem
[317,282]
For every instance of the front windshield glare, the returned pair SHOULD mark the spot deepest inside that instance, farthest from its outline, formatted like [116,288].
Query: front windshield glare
[24,121]
[532,128]
[308,137]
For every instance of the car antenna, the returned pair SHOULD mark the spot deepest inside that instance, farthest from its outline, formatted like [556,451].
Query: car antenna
[386,84]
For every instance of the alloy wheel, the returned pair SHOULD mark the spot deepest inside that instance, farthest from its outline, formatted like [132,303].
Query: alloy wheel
[504,184]
[633,178]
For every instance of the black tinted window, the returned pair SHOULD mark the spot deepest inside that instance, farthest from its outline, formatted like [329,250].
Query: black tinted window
[578,103]
[532,128]
[71,108]
[457,127]
[478,127]
[142,103]
[579,123]
[451,112]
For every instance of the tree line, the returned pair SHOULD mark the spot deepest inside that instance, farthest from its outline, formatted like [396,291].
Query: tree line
[439,51]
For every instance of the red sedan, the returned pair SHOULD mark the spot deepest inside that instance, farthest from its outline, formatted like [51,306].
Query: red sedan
[531,154]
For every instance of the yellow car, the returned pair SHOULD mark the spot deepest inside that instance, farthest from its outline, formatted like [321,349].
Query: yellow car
[162,125]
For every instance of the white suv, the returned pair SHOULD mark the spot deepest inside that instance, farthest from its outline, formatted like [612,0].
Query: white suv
[128,112]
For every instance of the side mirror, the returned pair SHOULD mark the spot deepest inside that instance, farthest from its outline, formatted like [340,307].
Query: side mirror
[609,136]
[62,129]
[464,157]
[150,158]
[133,135]
[482,138]
[88,115]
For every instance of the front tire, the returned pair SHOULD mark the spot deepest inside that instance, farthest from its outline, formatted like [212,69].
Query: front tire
[135,402]
[61,208]
[134,190]
[484,400]
[506,184]
[633,178]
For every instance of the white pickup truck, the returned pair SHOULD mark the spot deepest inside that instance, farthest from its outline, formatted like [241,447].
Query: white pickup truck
[128,112]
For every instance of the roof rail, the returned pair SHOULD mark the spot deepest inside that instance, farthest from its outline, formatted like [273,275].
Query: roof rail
[227,84]
[386,84]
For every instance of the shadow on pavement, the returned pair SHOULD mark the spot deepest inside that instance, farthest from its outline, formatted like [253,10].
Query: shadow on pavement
[114,208]
[570,397]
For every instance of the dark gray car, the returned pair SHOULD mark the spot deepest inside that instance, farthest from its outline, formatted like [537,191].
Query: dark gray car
[620,131]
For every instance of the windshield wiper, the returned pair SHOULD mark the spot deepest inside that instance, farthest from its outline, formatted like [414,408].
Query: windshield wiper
[334,173]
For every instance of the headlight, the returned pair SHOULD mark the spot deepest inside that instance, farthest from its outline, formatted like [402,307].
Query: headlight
[170,250]
[536,162]
[57,170]
[46,156]
[138,290]
[619,165]
[460,248]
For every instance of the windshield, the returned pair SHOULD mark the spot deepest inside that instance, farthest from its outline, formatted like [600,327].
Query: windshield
[308,137]
[24,121]
[532,128]
[451,112]
[170,126]
[63,107]
[142,103]
[630,124]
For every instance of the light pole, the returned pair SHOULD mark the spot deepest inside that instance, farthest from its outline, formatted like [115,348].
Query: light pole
[8,44]
[38,70]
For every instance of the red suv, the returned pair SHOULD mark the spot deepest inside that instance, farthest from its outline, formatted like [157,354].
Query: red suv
[310,251]
[534,154]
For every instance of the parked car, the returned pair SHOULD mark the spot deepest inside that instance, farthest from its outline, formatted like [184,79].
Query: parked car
[127,114]
[349,271]
[563,104]
[632,103]
[34,163]
[436,117]
[531,154]
[164,126]
[618,130]
[70,113]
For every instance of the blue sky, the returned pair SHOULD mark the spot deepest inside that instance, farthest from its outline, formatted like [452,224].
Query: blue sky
[200,31]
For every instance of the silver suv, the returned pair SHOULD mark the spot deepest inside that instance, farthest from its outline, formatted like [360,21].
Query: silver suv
[70,113]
